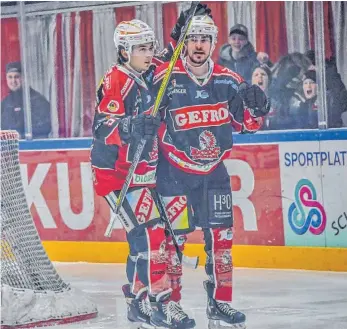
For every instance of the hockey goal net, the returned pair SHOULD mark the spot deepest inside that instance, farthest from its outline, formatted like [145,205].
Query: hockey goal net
[32,292]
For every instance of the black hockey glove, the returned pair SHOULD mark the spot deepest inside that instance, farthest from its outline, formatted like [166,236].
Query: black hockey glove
[142,126]
[255,99]
[181,21]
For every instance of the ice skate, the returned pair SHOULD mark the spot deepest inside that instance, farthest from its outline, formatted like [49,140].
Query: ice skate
[169,314]
[139,308]
[222,315]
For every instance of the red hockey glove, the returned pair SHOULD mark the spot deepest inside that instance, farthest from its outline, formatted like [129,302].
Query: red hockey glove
[251,124]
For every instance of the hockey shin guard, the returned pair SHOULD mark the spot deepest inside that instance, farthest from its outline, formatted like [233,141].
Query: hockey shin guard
[174,267]
[219,267]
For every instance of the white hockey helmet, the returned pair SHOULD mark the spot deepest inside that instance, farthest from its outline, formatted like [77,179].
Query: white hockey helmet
[130,33]
[204,25]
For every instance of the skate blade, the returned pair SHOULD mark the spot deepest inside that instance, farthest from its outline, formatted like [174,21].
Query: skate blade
[217,324]
[140,325]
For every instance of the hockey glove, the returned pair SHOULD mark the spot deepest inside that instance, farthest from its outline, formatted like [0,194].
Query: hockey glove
[142,126]
[250,123]
[255,99]
[181,21]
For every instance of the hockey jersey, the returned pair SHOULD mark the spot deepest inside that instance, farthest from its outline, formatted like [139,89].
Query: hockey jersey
[120,94]
[199,119]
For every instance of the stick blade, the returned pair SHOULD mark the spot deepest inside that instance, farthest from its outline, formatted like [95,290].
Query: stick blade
[192,262]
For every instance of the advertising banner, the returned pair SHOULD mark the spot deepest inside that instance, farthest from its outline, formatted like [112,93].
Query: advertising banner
[314,193]
[59,189]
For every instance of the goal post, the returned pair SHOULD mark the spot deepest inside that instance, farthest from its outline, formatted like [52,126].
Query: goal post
[32,292]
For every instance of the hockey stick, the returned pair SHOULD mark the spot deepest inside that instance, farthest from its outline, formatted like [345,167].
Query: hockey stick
[189,261]
[154,112]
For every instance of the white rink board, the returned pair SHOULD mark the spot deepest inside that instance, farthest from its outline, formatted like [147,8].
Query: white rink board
[271,299]
[323,165]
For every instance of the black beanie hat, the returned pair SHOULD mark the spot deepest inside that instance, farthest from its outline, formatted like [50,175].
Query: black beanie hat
[311,74]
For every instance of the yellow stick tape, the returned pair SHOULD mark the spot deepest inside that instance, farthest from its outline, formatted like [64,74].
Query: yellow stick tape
[308,258]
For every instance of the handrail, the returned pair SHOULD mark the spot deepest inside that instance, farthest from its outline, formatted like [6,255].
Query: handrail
[48,8]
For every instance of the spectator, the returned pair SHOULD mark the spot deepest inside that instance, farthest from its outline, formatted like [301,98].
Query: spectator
[335,87]
[286,90]
[12,111]
[305,115]
[262,77]
[239,54]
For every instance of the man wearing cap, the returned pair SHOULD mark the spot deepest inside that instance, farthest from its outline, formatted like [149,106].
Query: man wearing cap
[12,110]
[239,55]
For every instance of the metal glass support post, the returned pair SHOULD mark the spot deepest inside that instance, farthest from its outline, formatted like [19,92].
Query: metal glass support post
[25,84]
[318,20]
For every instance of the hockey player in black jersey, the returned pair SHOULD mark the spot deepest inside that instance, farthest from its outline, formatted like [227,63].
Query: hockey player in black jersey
[203,104]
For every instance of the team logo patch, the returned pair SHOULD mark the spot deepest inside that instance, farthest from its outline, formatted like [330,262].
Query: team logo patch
[113,106]
[208,149]
[226,234]
[198,116]
[202,94]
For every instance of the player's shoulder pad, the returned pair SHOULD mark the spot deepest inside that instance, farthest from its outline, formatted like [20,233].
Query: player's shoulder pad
[221,71]
[161,70]
[118,81]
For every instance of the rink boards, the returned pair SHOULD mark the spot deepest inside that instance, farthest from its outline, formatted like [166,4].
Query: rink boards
[289,198]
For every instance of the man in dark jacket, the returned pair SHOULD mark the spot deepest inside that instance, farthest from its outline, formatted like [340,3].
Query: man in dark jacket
[12,110]
[239,55]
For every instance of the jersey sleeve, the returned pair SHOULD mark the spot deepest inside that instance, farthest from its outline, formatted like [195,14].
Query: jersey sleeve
[110,109]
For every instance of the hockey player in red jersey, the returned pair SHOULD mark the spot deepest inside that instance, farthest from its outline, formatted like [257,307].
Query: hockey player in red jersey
[124,100]
[202,105]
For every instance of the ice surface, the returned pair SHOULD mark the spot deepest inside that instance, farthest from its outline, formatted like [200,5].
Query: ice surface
[271,299]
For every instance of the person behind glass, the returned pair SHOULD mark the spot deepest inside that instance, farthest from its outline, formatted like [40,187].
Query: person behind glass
[239,55]
[285,90]
[262,77]
[335,88]
[12,109]
[305,115]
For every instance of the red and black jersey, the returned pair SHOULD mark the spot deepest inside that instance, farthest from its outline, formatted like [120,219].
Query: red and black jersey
[199,118]
[119,95]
